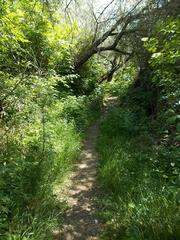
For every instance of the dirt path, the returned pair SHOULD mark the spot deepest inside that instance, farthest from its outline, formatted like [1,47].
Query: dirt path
[81,220]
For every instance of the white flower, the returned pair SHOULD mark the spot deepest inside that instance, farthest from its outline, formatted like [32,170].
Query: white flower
[156,55]
[144,39]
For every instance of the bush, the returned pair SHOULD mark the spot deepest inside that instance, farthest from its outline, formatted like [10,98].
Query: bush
[82,110]
[164,61]
[40,140]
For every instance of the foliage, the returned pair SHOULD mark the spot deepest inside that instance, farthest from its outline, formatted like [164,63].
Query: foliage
[45,106]
[81,110]
[165,64]
[121,82]
[41,121]
[33,155]
[140,179]
[39,143]
[138,146]
[88,76]
[32,42]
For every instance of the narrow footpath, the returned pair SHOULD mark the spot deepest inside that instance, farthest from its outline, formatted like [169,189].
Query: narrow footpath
[81,221]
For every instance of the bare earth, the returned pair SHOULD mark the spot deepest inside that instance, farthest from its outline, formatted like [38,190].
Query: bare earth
[81,221]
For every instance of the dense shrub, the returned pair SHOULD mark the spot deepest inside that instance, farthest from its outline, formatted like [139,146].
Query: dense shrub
[40,140]
[164,61]
[33,154]
[138,147]
[83,109]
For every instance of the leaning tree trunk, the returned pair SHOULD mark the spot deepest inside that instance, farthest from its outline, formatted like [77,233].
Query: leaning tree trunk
[123,21]
[170,8]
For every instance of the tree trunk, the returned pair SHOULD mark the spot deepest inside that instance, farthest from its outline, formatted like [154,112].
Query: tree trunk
[80,60]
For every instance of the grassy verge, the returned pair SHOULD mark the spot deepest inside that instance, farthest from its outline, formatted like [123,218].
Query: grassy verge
[139,178]
[35,154]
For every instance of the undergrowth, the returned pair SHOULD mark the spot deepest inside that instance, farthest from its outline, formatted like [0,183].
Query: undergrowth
[139,178]
[39,146]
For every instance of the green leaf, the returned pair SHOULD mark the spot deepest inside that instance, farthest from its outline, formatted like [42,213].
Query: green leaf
[178,127]
[177,138]
[171,120]
[170,112]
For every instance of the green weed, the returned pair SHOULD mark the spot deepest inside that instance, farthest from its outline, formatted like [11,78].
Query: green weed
[139,179]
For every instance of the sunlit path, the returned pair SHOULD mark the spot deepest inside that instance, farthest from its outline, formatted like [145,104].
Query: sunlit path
[81,220]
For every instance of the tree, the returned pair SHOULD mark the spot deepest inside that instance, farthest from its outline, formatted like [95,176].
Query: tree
[126,25]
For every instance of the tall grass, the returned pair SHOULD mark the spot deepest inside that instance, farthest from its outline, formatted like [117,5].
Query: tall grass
[39,145]
[139,177]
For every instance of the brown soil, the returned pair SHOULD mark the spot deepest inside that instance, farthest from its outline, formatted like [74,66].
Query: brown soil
[81,221]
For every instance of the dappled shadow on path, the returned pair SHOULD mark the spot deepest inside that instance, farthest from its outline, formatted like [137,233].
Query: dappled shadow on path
[81,219]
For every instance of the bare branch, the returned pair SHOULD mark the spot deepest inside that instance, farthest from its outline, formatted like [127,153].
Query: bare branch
[68,4]
[97,19]
[105,8]
[93,48]
[114,68]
